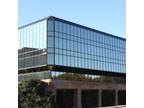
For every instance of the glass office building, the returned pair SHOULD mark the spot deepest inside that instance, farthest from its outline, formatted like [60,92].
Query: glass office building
[68,46]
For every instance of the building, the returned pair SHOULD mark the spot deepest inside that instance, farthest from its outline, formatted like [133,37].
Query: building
[52,47]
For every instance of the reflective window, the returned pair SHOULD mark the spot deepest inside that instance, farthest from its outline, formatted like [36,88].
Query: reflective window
[32,45]
[51,42]
[68,61]
[68,29]
[56,26]
[56,42]
[56,59]
[72,45]
[50,25]
[50,59]
[60,43]
[64,28]
[64,44]
[64,60]
[60,27]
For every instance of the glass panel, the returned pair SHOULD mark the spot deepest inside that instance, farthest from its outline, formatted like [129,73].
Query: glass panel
[68,61]
[50,58]
[50,25]
[60,43]
[84,47]
[75,31]
[60,27]
[56,26]
[72,30]
[32,45]
[50,34]
[68,29]
[72,61]
[64,60]
[64,28]
[56,42]
[50,42]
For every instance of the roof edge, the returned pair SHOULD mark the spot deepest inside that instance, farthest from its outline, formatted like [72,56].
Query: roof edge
[35,22]
[53,18]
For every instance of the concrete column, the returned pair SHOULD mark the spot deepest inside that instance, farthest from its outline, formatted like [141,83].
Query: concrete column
[79,104]
[100,98]
[55,93]
[116,97]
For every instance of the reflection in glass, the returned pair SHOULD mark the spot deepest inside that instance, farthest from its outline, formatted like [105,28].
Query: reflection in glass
[70,45]
[32,45]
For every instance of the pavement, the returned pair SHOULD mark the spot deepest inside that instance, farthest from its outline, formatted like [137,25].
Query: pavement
[120,106]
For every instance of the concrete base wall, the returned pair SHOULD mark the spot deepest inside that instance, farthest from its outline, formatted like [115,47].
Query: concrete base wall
[107,93]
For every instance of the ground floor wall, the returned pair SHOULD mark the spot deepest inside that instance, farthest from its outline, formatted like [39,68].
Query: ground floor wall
[87,94]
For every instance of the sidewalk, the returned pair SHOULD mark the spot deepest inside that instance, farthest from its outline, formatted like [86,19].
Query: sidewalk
[120,106]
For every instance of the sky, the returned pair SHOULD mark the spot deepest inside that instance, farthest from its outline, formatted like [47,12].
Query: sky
[104,15]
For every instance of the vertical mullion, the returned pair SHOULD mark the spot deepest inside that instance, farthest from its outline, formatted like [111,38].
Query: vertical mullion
[54,40]
[47,40]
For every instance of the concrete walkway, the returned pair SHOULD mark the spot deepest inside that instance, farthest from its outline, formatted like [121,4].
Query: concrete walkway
[120,106]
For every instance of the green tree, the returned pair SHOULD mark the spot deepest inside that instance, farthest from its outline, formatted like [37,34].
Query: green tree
[35,94]
[73,76]
[110,79]
[82,77]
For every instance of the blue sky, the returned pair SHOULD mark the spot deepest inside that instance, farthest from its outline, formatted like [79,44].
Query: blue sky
[105,15]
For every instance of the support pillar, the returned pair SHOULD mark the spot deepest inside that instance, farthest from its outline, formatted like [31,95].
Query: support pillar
[79,104]
[100,98]
[116,97]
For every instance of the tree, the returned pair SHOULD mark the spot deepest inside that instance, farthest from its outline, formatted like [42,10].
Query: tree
[110,79]
[35,94]
[82,77]
[73,76]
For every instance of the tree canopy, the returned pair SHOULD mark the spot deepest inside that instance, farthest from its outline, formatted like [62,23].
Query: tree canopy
[35,94]
[82,77]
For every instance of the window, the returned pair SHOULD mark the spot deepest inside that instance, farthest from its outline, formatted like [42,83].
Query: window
[64,60]
[75,46]
[50,58]
[68,29]
[64,44]
[60,27]
[50,42]
[60,35]
[79,62]
[75,31]
[50,25]
[56,59]
[72,61]
[56,34]
[89,35]
[72,30]
[50,50]
[79,34]
[72,45]
[64,28]
[76,61]
[50,34]
[60,57]
[82,33]
[56,26]
[56,42]
[82,62]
